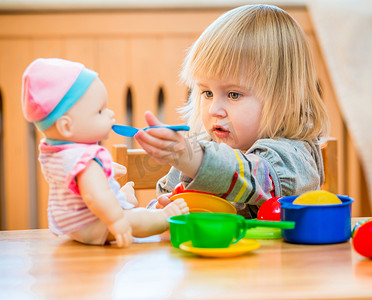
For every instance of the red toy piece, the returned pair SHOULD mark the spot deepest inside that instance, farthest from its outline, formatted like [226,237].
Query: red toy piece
[362,237]
[179,188]
[269,210]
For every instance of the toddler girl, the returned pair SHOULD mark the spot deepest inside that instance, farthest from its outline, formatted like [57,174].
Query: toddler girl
[254,110]
[67,102]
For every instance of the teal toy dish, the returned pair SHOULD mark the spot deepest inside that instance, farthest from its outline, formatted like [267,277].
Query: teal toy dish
[317,224]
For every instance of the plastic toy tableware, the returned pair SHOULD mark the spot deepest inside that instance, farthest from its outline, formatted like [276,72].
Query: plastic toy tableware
[317,224]
[130,131]
[362,237]
[241,247]
[269,210]
[263,233]
[203,202]
[179,231]
[179,188]
[220,230]
[317,197]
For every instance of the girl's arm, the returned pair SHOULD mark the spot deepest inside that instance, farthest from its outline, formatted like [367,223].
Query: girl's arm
[167,146]
[96,193]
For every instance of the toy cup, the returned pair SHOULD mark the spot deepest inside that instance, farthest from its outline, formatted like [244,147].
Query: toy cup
[179,230]
[216,230]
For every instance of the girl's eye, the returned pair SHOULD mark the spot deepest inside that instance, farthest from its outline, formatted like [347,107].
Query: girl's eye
[207,94]
[100,111]
[234,95]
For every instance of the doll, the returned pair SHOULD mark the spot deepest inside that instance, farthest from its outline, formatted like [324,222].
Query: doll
[67,103]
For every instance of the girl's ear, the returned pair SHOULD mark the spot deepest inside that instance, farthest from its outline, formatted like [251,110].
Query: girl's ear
[64,126]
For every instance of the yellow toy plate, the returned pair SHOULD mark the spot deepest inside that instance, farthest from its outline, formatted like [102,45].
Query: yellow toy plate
[241,247]
[202,202]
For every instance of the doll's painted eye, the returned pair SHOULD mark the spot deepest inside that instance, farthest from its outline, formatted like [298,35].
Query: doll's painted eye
[100,111]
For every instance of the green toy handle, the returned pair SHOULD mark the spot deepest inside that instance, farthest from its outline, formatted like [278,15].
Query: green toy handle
[271,224]
[242,229]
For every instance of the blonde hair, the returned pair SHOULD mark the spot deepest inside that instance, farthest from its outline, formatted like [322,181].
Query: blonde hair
[263,48]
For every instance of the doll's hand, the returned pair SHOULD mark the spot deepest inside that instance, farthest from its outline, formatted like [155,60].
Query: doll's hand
[170,147]
[122,231]
[128,190]
[119,170]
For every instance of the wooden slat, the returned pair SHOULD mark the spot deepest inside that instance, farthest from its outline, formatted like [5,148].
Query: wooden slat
[13,57]
[107,24]
[330,161]
[113,67]
[46,48]
[114,23]
[338,129]
[142,169]
[354,177]
[175,91]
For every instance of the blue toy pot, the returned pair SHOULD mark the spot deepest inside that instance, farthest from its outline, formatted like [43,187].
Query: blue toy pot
[317,224]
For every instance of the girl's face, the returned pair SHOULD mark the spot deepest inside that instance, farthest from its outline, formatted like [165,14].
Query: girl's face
[91,119]
[231,113]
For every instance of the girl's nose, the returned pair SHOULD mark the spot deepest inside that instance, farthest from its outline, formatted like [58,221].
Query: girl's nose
[217,108]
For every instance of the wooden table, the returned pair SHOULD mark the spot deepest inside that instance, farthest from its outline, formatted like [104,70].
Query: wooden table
[34,264]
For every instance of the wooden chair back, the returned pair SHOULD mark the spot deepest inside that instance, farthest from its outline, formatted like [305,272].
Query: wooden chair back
[141,168]
[330,162]
[145,172]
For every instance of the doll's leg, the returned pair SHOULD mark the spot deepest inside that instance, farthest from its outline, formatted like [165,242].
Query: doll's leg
[176,208]
[95,233]
[146,222]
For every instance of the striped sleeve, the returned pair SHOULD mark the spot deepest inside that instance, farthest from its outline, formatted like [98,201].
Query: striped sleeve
[233,175]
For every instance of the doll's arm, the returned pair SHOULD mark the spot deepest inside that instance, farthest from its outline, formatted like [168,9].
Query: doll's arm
[168,146]
[96,193]
[128,190]
[119,170]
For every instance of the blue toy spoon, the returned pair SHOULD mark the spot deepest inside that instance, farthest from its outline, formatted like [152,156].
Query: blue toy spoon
[130,131]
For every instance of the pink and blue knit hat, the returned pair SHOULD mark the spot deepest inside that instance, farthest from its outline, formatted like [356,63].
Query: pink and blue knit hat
[50,87]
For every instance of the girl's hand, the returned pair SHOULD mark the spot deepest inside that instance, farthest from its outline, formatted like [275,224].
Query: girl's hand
[168,146]
[163,200]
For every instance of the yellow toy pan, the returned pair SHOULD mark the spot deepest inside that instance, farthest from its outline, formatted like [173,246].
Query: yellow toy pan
[203,202]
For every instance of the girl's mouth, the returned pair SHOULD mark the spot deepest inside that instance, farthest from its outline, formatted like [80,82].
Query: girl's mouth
[220,132]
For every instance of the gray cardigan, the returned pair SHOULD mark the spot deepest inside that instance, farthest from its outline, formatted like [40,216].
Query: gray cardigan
[271,167]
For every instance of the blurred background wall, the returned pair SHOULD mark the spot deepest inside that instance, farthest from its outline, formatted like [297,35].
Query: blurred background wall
[137,47]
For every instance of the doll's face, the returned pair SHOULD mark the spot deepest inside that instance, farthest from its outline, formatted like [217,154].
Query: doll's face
[91,120]
[231,114]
